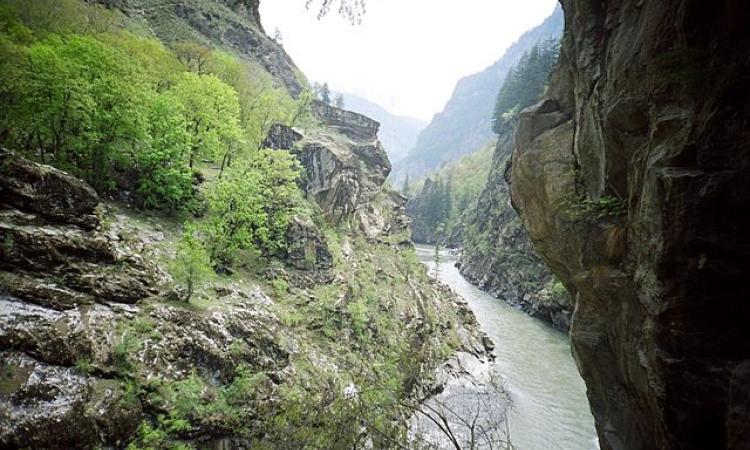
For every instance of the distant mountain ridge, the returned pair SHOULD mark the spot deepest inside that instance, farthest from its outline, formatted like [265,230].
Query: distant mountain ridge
[464,126]
[397,133]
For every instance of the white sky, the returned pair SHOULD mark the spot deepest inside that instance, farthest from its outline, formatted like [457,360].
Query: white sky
[407,55]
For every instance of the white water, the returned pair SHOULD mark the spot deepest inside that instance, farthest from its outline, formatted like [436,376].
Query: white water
[549,410]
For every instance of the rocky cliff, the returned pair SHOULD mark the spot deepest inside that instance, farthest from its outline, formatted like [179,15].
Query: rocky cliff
[233,25]
[631,179]
[345,163]
[497,254]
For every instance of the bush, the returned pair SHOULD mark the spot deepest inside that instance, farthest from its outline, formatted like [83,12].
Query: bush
[252,205]
[192,265]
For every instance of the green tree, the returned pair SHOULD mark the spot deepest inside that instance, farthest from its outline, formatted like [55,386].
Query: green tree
[211,109]
[192,263]
[83,103]
[165,180]
[252,206]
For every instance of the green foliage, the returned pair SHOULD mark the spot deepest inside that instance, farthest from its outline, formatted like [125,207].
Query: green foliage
[261,104]
[84,366]
[252,205]
[605,206]
[81,104]
[211,110]
[192,264]
[166,181]
[448,194]
[524,84]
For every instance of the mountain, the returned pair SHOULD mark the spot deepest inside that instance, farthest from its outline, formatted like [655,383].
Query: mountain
[397,133]
[464,126]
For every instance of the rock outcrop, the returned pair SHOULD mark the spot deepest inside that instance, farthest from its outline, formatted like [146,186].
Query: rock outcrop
[76,320]
[497,254]
[344,164]
[632,181]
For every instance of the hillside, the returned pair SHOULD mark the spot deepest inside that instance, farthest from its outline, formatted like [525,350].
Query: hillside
[193,252]
[464,126]
[397,133]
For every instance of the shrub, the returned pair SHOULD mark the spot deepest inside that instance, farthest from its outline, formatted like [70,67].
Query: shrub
[192,265]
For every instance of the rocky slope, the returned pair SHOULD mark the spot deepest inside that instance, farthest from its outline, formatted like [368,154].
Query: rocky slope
[464,126]
[497,255]
[631,179]
[94,351]
[233,25]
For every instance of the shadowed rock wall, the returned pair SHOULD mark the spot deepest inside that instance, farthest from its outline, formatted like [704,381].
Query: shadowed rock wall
[632,181]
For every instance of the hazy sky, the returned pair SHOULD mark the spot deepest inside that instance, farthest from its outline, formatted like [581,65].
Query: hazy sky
[407,55]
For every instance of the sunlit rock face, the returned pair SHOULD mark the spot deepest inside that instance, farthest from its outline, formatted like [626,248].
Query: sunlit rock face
[632,181]
[344,164]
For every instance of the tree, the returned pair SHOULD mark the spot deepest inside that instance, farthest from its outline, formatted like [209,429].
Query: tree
[211,110]
[277,36]
[325,94]
[194,56]
[165,180]
[83,104]
[252,206]
[192,263]
[339,101]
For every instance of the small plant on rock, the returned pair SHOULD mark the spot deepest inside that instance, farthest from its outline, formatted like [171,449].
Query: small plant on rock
[192,265]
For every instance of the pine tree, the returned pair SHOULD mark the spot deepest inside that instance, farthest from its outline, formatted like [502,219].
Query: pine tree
[325,94]
[339,101]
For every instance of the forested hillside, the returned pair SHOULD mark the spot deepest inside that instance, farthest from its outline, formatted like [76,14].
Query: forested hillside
[193,252]
[464,126]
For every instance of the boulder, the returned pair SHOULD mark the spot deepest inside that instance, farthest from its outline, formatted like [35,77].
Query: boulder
[306,246]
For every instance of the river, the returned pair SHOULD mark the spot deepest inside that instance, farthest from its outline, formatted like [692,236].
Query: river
[549,407]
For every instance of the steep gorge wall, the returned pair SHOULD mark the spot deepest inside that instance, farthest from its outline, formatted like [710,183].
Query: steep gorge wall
[632,181]
[498,256]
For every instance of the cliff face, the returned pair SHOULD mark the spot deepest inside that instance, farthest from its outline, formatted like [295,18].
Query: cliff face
[233,25]
[631,179]
[497,254]
[345,163]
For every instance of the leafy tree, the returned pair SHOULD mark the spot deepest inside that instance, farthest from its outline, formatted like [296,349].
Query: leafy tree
[194,56]
[192,263]
[83,103]
[165,180]
[261,104]
[160,65]
[211,109]
[253,204]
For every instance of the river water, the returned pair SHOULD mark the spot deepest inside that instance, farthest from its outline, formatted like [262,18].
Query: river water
[549,407]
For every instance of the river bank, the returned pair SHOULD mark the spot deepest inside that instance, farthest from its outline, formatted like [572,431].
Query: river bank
[549,409]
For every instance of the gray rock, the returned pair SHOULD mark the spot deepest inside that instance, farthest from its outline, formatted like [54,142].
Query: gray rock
[657,94]
[306,246]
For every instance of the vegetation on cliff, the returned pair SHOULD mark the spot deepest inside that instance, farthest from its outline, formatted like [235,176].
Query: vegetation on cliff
[302,294]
